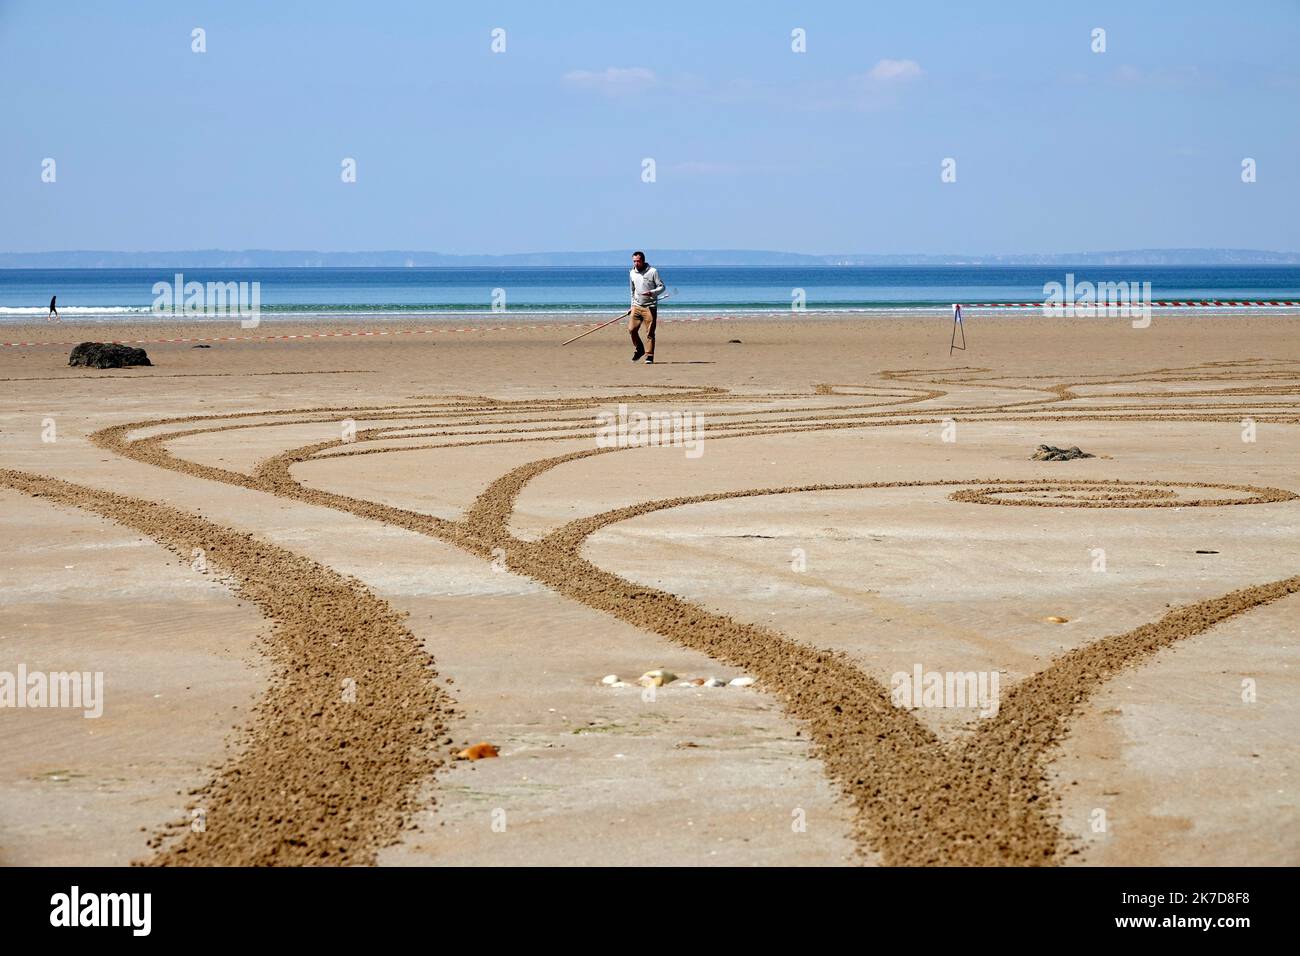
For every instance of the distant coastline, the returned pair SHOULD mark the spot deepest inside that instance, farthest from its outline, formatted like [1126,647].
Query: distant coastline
[267,258]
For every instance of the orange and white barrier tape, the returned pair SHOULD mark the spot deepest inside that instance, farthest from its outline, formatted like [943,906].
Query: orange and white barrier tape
[362,332]
[1163,303]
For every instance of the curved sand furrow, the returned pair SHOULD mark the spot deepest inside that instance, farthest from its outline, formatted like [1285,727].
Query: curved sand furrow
[341,741]
[984,801]
[918,802]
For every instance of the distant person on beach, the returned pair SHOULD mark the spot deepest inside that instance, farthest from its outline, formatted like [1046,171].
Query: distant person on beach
[54,313]
[646,288]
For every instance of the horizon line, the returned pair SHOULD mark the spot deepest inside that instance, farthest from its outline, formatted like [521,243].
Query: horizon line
[628,251]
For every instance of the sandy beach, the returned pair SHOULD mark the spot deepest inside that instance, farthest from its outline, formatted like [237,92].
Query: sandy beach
[312,570]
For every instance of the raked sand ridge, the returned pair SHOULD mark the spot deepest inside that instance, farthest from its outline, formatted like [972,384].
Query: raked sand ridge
[473,562]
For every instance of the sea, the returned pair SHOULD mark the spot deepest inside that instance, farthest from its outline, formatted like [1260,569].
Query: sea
[456,294]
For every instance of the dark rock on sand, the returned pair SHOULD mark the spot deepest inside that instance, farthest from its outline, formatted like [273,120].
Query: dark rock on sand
[1051,453]
[200,346]
[734,342]
[107,355]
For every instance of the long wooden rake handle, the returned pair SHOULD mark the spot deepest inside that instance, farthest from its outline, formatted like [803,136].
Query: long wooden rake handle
[667,295]
[597,328]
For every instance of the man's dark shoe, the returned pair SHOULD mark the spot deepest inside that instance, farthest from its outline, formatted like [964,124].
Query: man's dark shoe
[649,360]
[636,356]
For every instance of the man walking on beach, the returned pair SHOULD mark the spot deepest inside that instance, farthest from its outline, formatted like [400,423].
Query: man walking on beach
[54,313]
[646,289]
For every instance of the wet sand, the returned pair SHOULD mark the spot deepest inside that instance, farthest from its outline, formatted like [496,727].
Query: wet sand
[428,515]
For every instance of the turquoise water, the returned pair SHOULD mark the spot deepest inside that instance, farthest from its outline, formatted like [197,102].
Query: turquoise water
[460,292]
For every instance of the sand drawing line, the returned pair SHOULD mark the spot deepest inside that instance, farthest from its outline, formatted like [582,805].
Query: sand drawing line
[118,376]
[319,779]
[983,799]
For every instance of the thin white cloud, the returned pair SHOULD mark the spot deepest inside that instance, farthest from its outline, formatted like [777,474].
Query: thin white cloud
[1176,78]
[895,71]
[1127,74]
[880,88]
[613,80]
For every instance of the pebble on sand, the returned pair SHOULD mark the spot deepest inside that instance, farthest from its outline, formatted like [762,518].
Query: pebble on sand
[657,678]
[1056,620]
[479,752]
[1052,453]
[666,678]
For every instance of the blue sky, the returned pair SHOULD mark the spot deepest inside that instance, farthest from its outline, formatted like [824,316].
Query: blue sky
[461,150]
